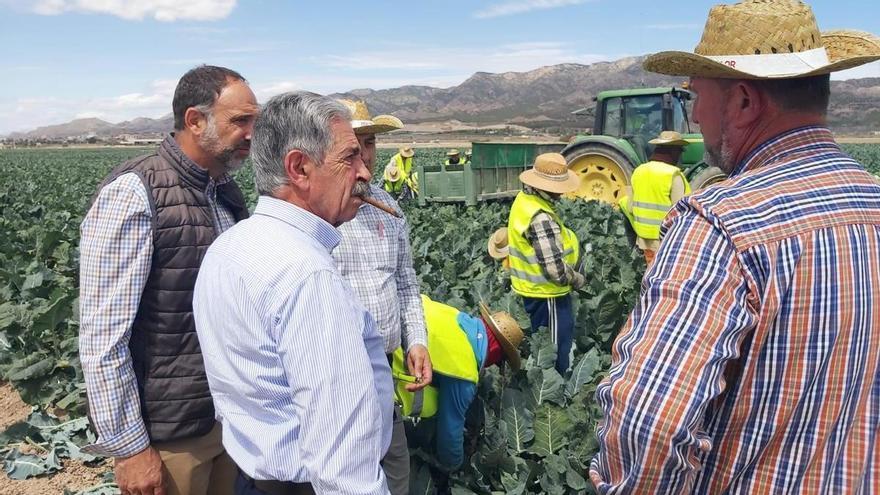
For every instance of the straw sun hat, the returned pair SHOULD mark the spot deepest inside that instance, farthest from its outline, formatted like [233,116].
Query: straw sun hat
[669,138]
[407,152]
[363,123]
[767,39]
[551,174]
[452,152]
[498,247]
[507,331]
[391,174]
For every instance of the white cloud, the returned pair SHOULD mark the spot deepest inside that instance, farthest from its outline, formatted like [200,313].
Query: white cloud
[161,10]
[868,70]
[26,114]
[503,58]
[523,6]
[674,27]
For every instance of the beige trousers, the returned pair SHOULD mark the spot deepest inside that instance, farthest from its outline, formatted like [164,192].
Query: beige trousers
[198,466]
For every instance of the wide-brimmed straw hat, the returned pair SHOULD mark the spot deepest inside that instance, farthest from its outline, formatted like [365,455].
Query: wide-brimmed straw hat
[551,174]
[453,152]
[391,174]
[669,138]
[498,247]
[407,152]
[766,39]
[363,123]
[507,331]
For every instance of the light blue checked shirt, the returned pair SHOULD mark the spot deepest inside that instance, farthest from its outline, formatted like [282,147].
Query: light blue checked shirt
[116,252]
[296,367]
[375,258]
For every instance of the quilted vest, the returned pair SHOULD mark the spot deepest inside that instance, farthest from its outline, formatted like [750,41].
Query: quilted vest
[172,384]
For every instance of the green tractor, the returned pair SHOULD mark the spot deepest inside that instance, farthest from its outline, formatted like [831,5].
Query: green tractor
[625,120]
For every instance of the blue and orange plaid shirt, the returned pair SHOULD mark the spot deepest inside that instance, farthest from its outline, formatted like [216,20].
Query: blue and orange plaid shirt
[751,363]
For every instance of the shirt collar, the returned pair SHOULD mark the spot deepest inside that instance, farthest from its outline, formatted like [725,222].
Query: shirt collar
[300,219]
[783,144]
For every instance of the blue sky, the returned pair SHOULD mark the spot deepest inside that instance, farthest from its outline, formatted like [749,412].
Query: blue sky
[120,59]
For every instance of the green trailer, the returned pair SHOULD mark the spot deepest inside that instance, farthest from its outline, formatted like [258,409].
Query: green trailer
[492,173]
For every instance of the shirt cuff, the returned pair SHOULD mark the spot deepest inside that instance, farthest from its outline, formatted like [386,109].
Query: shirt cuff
[127,443]
[420,340]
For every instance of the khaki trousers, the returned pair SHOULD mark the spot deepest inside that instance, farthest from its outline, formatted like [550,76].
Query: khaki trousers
[198,466]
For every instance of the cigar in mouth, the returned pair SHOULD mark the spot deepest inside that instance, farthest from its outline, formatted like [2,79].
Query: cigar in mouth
[382,206]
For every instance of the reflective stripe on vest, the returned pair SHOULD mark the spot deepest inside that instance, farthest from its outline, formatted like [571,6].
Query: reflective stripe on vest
[652,186]
[451,355]
[526,275]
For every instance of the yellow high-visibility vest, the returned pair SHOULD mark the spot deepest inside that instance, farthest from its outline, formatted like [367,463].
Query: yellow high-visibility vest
[652,185]
[526,276]
[451,355]
[403,164]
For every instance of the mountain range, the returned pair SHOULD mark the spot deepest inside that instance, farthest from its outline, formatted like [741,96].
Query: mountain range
[543,97]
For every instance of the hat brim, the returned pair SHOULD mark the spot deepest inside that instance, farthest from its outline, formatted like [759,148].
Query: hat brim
[686,64]
[496,253]
[510,351]
[378,125]
[407,154]
[532,178]
[668,142]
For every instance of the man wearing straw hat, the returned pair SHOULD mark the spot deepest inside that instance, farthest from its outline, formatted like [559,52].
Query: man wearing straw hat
[462,346]
[499,248]
[656,185]
[375,258]
[453,157]
[543,252]
[751,361]
[406,186]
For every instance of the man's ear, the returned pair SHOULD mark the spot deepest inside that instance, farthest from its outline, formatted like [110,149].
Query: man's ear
[195,121]
[747,104]
[298,168]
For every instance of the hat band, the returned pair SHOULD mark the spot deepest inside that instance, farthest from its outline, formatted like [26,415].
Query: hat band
[775,64]
[554,178]
[361,123]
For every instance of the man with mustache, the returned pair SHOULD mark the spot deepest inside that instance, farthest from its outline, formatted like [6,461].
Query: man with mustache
[750,364]
[296,364]
[375,258]
[143,240]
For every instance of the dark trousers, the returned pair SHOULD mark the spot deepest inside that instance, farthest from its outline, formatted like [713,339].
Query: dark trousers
[557,314]
[244,485]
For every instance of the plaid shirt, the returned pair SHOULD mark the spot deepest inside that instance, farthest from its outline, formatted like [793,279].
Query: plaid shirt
[751,363]
[545,236]
[375,258]
[116,255]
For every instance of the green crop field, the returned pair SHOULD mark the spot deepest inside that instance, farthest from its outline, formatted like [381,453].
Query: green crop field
[530,432]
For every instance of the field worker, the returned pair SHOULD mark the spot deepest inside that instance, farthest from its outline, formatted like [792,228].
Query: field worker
[295,362]
[453,157]
[499,248]
[461,346]
[656,185]
[403,160]
[467,156]
[751,361]
[543,252]
[143,240]
[375,257]
[392,181]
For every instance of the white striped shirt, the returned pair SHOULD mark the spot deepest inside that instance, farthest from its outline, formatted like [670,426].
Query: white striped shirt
[295,364]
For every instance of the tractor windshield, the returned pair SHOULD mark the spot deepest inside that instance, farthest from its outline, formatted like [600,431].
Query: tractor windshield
[643,116]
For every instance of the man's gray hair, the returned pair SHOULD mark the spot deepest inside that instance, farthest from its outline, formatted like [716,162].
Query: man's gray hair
[297,120]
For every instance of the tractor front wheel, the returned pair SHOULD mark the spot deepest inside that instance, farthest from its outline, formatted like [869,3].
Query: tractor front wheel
[708,176]
[604,172]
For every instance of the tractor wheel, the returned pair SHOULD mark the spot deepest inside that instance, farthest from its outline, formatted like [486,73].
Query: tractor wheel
[604,172]
[707,177]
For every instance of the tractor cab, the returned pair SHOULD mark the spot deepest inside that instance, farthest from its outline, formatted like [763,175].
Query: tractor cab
[624,122]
